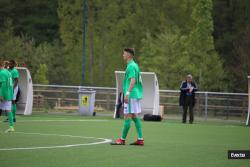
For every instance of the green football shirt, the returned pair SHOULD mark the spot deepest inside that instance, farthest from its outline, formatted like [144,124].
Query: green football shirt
[6,85]
[133,71]
[14,73]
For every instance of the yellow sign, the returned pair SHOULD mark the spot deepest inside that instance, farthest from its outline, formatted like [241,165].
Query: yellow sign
[85,100]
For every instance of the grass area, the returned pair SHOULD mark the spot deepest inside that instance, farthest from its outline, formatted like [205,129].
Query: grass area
[167,143]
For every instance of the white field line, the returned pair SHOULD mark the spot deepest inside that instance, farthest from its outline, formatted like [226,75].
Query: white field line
[103,141]
[63,120]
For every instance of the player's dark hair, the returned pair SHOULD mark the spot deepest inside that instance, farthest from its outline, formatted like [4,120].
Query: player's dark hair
[13,62]
[130,50]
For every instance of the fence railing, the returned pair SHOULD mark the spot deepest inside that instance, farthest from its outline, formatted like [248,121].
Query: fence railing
[66,97]
[208,104]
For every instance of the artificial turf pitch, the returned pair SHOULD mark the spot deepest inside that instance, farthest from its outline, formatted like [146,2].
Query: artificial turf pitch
[168,143]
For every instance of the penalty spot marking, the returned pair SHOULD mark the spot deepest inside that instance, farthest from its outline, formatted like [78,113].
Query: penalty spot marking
[103,141]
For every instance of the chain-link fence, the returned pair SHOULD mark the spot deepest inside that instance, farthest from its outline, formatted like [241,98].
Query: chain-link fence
[209,105]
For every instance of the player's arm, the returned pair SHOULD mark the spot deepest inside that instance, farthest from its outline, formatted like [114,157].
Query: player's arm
[131,85]
[182,88]
[15,82]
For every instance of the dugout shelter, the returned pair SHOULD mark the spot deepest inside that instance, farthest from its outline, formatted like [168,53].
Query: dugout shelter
[150,102]
[25,101]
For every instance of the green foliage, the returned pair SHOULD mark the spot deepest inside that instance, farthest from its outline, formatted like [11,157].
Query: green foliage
[23,50]
[41,75]
[159,55]
[51,54]
[171,37]
[174,54]
[200,45]
[232,34]
[20,48]
[70,16]
[37,19]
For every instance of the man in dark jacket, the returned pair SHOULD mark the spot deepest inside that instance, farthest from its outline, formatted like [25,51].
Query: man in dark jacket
[187,98]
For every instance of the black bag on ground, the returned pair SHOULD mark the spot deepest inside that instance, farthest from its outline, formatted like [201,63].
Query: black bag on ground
[119,106]
[150,117]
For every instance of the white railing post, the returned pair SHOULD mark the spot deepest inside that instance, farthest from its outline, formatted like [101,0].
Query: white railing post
[248,113]
[206,105]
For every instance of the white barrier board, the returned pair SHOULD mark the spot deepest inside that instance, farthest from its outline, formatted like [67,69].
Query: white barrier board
[25,103]
[150,101]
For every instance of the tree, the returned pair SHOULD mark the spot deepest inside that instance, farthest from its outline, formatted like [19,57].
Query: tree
[37,19]
[70,15]
[112,25]
[15,47]
[167,36]
[41,75]
[201,48]
[232,27]
[173,54]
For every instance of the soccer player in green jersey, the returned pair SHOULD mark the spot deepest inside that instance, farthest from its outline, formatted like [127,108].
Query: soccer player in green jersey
[133,92]
[6,66]
[15,75]
[6,94]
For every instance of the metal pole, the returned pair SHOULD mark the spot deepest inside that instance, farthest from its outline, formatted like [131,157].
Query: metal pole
[206,101]
[247,122]
[84,36]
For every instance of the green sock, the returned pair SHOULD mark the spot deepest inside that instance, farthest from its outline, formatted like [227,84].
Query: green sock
[14,111]
[137,122]
[10,118]
[126,128]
